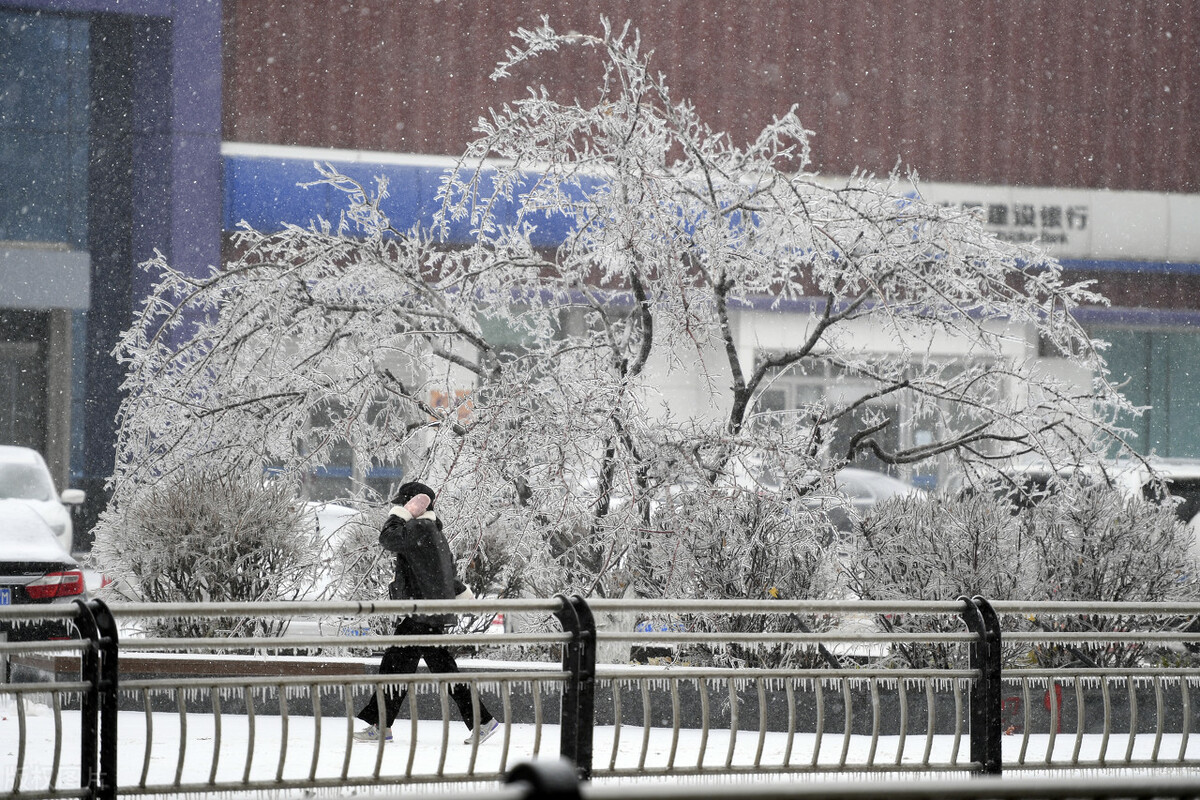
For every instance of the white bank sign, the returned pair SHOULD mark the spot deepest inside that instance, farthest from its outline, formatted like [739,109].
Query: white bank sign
[1084,224]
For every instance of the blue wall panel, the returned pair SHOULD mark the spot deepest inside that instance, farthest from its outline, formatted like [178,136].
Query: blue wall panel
[267,192]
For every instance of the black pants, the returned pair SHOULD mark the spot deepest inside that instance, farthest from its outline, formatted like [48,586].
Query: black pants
[404,661]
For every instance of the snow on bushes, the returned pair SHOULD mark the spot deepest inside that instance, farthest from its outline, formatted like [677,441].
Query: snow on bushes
[210,537]
[1080,543]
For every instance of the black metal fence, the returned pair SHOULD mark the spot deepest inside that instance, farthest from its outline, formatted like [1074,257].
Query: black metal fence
[900,719]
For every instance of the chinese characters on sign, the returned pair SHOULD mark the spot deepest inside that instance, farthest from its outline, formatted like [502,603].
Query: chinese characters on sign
[1048,223]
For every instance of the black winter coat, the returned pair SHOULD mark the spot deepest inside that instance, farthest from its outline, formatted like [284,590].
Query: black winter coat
[424,563]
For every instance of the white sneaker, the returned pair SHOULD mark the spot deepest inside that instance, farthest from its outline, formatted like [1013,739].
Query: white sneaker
[485,732]
[371,734]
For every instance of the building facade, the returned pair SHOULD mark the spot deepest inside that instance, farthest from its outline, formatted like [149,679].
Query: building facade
[135,125]
[110,120]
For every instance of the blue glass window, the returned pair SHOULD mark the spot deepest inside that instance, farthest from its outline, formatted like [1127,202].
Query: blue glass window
[44,115]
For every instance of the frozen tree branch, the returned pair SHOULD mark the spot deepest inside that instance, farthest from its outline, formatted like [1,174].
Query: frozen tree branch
[534,384]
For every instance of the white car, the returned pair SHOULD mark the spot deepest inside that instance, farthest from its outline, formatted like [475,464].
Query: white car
[866,488]
[1169,481]
[34,570]
[863,490]
[1180,477]
[1027,483]
[25,481]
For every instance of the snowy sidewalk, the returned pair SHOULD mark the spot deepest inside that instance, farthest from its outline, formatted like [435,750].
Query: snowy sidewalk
[246,755]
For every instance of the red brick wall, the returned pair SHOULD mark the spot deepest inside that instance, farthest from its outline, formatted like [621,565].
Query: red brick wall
[1102,94]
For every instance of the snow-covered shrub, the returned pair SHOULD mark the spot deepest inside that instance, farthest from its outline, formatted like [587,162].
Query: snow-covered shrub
[740,545]
[494,542]
[937,547]
[1095,543]
[210,537]
[1080,542]
[743,545]
[495,568]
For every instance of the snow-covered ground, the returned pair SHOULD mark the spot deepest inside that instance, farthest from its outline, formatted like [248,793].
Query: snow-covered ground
[325,752]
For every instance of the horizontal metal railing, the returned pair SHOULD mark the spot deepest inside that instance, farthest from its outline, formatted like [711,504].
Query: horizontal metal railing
[612,721]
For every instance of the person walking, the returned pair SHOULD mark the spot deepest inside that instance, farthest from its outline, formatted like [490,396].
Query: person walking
[424,571]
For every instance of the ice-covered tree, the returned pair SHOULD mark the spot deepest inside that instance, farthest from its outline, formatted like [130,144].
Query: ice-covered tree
[528,380]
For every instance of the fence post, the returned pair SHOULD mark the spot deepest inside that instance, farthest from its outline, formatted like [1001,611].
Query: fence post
[986,690]
[98,706]
[587,687]
[579,695]
[89,703]
[106,624]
